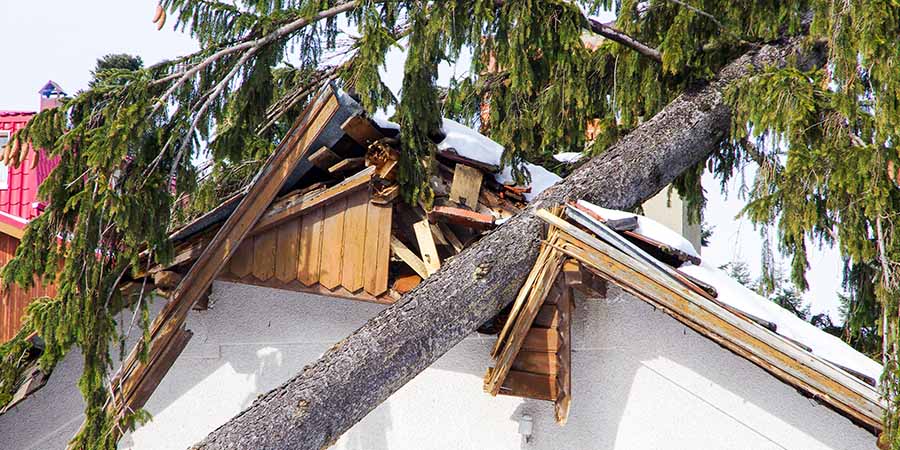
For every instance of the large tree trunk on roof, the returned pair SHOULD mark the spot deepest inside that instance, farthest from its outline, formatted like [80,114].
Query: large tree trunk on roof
[328,397]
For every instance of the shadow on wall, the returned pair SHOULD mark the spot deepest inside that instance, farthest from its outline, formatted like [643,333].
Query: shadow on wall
[640,380]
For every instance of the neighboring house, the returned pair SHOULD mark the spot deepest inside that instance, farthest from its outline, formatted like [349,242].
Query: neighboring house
[19,204]
[651,358]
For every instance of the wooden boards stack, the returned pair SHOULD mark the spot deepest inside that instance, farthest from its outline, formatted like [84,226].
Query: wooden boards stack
[533,351]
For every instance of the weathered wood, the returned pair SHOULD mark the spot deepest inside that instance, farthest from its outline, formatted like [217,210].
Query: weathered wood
[404,253]
[384,354]
[348,165]
[295,206]
[287,256]
[324,158]
[317,289]
[451,237]
[361,130]
[564,357]
[353,263]
[536,362]
[274,172]
[265,246]
[744,337]
[332,244]
[462,217]
[541,340]
[241,263]
[378,248]
[427,247]
[466,186]
[530,385]
[310,256]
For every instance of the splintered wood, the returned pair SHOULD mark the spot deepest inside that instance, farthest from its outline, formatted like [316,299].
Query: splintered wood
[532,353]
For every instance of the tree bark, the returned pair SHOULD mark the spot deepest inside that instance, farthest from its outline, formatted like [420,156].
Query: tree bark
[313,409]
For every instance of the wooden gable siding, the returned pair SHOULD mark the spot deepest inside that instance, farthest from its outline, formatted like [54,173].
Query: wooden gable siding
[341,248]
[14,299]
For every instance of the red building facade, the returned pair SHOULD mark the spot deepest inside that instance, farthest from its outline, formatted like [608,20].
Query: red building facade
[19,204]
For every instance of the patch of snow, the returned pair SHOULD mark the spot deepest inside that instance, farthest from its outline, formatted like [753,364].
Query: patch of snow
[473,145]
[568,157]
[382,121]
[647,227]
[822,344]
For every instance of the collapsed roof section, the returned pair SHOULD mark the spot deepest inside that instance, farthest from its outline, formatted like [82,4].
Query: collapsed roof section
[639,259]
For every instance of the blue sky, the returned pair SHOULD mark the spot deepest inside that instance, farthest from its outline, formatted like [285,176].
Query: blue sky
[61,40]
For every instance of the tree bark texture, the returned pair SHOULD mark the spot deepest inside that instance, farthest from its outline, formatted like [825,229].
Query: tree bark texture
[313,409]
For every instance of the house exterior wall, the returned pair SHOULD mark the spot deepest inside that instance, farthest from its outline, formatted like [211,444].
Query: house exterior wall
[672,212]
[641,380]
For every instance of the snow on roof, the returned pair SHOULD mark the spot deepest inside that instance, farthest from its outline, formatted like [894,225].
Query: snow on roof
[824,345]
[736,295]
[473,145]
[647,227]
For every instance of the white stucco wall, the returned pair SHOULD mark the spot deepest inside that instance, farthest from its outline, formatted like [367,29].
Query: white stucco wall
[641,380]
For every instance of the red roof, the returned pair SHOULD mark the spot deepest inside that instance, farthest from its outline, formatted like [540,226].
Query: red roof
[18,200]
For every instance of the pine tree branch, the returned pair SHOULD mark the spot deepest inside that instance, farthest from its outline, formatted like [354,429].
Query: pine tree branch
[624,39]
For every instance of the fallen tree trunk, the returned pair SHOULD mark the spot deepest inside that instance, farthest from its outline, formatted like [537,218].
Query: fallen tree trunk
[328,397]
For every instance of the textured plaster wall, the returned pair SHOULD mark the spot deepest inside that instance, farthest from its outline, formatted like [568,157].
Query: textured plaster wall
[641,380]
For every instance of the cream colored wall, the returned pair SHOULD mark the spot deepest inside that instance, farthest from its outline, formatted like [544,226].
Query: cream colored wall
[672,212]
[641,380]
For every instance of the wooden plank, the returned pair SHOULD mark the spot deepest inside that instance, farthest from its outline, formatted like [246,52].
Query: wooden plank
[564,357]
[451,154]
[466,186]
[143,392]
[310,256]
[541,340]
[410,258]
[361,130]
[426,246]
[462,217]
[241,263]
[294,207]
[287,257]
[572,273]
[518,325]
[332,244]
[264,248]
[547,317]
[406,283]
[451,237]
[268,182]
[378,248]
[324,158]
[536,362]
[347,165]
[529,385]
[353,262]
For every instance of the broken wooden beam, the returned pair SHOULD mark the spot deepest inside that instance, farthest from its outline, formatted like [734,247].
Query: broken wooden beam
[361,130]
[427,248]
[324,158]
[348,164]
[461,217]
[406,255]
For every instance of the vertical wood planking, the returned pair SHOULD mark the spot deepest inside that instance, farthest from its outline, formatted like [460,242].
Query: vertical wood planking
[564,356]
[264,249]
[311,226]
[332,244]
[378,248]
[241,263]
[353,264]
[288,251]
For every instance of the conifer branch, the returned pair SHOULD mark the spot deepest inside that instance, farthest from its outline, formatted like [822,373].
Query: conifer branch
[624,39]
